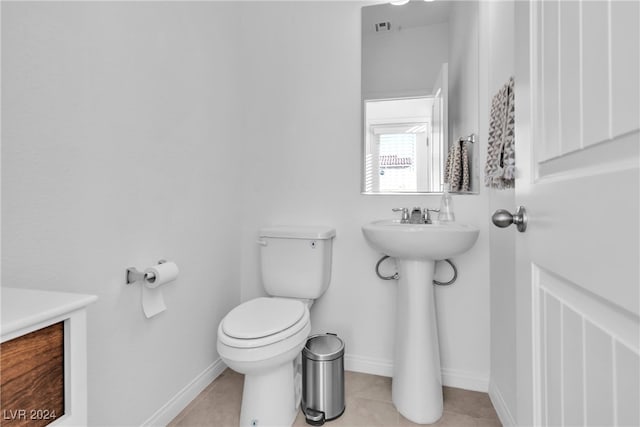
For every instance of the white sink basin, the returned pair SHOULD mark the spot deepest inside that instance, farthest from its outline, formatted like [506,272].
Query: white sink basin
[420,241]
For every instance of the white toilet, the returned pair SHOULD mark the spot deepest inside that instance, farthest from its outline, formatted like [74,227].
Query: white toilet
[262,338]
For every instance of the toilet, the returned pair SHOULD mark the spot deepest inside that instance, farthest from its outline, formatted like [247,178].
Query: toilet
[263,337]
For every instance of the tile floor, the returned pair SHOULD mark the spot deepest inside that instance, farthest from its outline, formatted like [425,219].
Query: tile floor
[368,403]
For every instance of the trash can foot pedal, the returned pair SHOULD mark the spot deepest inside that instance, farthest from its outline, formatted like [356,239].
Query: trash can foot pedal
[313,417]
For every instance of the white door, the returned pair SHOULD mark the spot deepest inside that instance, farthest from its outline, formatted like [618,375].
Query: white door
[577,264]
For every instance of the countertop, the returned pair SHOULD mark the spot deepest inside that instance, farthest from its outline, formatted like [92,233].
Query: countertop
[22,308]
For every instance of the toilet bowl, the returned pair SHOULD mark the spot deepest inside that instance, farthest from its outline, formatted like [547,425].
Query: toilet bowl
[262,338]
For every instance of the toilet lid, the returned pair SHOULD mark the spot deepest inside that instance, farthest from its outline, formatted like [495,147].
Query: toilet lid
[262,317]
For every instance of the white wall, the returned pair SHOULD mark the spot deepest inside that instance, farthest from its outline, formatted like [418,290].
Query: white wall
[464,80]
[403,61]
[304,148]
[498,19]
[118,144]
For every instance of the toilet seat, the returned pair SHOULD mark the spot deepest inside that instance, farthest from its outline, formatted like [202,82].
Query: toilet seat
[263,321]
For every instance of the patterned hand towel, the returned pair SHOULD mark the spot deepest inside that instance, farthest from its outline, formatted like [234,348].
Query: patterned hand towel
[456,172]
[464,185]
[501,158]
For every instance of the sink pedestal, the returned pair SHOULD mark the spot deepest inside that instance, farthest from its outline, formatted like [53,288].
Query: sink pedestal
[417,382]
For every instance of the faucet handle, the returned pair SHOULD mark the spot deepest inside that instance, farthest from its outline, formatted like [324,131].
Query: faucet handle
[405,214]
[425,215]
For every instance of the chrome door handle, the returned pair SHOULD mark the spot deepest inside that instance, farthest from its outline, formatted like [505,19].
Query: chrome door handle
[503,218]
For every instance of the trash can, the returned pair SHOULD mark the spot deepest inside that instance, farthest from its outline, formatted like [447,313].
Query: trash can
[323,378]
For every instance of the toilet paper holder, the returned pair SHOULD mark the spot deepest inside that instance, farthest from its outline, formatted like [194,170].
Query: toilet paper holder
[134,275]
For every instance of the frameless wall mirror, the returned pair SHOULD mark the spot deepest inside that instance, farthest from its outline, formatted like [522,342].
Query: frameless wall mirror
[419,94]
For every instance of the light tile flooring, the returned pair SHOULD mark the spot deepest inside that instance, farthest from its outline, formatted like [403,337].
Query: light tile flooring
[368,403]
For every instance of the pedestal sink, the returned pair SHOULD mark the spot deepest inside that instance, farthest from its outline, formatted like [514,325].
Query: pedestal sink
[417,384]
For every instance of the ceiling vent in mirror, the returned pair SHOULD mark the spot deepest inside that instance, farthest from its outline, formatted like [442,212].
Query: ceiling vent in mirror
[383,26]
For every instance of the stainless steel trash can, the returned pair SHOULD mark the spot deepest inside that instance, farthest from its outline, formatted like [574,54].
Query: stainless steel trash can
[323,378]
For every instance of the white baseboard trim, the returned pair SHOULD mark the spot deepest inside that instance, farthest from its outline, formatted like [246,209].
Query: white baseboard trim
[177,403]
[505,416]
[368,365]
[450,377]
[467,380]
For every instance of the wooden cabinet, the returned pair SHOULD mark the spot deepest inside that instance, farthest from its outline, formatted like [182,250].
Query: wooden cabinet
[43,358]
[32,377]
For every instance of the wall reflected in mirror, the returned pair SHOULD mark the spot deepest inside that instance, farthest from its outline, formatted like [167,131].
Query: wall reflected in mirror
[419,93]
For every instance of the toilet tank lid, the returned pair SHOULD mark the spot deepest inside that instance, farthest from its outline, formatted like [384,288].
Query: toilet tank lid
[298,232]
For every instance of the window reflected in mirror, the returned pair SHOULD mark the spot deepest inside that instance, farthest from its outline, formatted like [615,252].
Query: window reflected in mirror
[402,146]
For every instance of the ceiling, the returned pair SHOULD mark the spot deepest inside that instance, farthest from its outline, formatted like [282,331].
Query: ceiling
[416,13]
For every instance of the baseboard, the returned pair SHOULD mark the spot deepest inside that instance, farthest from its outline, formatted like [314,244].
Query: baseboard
[450,377]
[467,380]
[506,418]
[368,365]
[177,403]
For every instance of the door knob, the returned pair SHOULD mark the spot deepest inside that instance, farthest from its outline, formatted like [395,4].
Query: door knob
[503,218]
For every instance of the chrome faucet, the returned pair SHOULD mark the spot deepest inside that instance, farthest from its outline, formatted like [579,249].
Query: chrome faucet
[425,215]
[416,216]
[405,214]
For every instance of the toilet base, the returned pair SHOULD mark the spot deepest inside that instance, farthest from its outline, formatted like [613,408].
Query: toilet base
[269,398]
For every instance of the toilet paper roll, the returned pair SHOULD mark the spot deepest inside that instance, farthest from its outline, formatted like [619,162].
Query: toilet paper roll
[152,301]
[152,298]
[160,274]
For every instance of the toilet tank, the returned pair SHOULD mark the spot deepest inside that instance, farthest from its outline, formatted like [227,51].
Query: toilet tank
[296,261]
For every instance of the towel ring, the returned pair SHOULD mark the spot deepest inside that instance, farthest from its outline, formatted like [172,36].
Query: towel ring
[395,276]
[455,275]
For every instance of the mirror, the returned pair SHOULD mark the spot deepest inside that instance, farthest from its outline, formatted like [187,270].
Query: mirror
[419,97]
